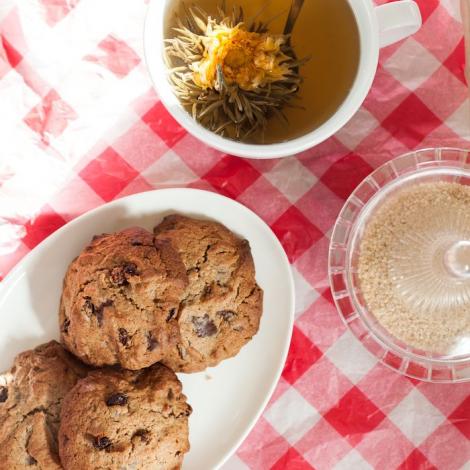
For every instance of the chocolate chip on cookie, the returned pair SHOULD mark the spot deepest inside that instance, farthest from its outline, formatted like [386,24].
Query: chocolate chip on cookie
[227,315]
[98,237]
[99,311]
[65,326]
[123,336]
[171,314]
[143,435]
[117,399]
[204,326]
[3,394]
[102,442]
[121,274]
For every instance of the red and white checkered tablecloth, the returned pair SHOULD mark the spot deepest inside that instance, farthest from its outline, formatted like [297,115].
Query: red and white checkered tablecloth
[80,125]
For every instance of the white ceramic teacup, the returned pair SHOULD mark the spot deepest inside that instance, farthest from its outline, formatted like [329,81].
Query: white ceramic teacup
[379,26]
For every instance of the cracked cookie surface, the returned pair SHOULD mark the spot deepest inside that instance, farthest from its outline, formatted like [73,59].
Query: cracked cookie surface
[222,306]
[121,419]
[120,298]
[31,395]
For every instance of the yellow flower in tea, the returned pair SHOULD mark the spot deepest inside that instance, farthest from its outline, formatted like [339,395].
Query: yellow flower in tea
[232,77]
[248,59]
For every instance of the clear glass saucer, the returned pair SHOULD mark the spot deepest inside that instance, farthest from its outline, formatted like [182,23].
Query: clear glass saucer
[435,274]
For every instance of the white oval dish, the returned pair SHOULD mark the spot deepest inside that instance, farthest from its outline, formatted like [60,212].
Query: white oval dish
[227,399]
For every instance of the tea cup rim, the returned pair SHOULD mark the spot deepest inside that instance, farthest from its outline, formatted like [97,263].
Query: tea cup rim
[369,52]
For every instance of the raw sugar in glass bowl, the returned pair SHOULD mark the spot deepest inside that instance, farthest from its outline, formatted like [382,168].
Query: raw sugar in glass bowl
[424,166]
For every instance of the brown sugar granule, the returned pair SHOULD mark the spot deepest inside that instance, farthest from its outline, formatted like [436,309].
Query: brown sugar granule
[402,273]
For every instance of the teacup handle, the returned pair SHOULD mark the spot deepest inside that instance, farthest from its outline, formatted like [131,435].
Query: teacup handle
[397,20]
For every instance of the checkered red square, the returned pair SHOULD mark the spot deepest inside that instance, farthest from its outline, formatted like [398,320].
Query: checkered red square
[354,416]
[427,7]
[302,354]
[460,418]
[115,55]
[50,117]
[231,176]
[162,123]
[9,54]
[57,10]
[417,461]
[345,174]
[291,460]
[295,232]
[403,122]
[41,226]
[456,60]
[108,174]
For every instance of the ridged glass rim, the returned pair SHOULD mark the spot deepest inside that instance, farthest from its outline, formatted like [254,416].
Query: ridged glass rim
[392,353]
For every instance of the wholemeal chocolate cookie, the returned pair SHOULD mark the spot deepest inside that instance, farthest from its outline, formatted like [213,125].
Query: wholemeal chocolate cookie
[121,419]
[222,306]
[120,300]
[31,395]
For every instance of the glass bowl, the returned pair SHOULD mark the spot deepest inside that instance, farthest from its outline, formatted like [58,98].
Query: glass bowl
[384,184]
